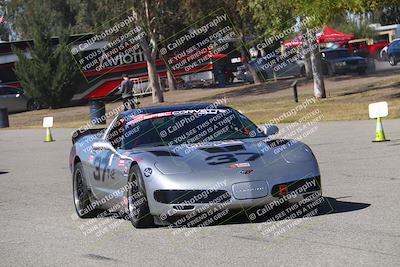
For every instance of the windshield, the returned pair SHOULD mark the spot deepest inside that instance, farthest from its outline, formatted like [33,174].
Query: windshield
[187,127]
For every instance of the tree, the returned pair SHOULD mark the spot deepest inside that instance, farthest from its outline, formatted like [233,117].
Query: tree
[50,74]
[242,19]
[58,15]
[359,27]
[172,20]
[3,32]
[390,15]
[276,18]
[93,14]
[148,17]
[323,12]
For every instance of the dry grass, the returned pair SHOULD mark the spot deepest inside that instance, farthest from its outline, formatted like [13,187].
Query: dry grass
[348,99]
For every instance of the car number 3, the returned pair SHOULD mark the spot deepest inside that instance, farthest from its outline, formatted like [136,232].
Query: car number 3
[230,158]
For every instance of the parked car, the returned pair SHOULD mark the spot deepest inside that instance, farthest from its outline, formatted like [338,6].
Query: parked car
[394,52]
[267,68]
[340,61]
[366,47]
[15,99]
[384,51]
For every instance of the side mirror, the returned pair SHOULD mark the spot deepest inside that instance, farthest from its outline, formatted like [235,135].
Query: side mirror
[107,146]
[104,145]
[271,130]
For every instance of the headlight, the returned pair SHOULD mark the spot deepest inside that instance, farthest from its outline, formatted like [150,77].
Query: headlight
[298,154]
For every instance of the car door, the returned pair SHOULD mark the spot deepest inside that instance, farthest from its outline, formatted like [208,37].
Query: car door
[292,68]
[19,99]
[284,67]
[9,98]
[104,178]
[3,98]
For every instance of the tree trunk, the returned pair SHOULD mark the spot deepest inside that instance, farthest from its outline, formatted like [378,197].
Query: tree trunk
[154,81]
[308,67]
[149,46]
[319,85]
[171,80]
[306,52]
[307,56]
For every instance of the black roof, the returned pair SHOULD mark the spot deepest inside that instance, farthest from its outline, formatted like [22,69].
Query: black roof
[153,110]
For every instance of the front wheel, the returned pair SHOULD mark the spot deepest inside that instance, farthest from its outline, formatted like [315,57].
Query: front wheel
[392,61]
[32,105]
[82,195]
[138,208]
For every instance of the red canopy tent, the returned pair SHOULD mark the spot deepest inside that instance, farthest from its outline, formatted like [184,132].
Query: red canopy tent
[328,35]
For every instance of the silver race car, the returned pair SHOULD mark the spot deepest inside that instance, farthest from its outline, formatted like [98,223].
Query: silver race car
[161,163]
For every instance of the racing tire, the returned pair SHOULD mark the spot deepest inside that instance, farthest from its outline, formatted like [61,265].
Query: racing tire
[138,208]
[32,105]
[382,56]
[392,61]
[82,195]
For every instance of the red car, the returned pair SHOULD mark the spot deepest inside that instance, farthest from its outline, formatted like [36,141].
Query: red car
[365,47]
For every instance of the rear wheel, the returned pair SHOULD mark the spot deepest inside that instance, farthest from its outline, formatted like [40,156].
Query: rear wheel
[138,208]
[392,61]
[82,195]
[32,105]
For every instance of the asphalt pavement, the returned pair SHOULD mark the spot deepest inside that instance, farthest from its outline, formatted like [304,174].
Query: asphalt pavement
[360,224]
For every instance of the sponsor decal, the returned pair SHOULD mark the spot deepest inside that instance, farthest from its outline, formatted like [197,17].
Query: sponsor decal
[121,163]
[126,171]
[198,111]
[91,159]
[246,172]
[147,172]
[143,117]
[240,165]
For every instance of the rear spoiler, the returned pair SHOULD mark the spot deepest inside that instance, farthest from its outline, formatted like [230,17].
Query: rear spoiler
[80,133]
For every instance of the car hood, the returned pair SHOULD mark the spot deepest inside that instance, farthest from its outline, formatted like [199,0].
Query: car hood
[246,154]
